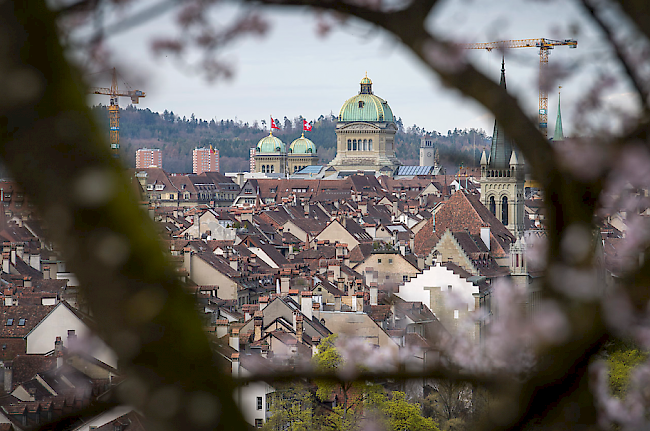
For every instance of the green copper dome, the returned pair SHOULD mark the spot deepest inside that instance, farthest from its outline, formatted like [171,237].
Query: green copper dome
[269,144]
[302,145]
[365,106]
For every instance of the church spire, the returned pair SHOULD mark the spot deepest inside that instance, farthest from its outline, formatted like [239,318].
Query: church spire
[559,134]
[502,82]
[501,149]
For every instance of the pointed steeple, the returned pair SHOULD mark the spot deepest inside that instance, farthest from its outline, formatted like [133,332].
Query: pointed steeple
[484,160]
[559,134]
[501,149]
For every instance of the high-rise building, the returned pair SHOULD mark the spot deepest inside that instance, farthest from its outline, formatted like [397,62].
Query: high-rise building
[148,158]
[205,160]
[251,156]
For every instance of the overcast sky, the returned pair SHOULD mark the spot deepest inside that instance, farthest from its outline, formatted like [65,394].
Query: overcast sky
[292,71]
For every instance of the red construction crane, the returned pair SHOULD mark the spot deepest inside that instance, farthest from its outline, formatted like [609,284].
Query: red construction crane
[544,46]
[114,108]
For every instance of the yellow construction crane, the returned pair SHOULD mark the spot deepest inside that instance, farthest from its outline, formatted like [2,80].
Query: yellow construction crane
[544,46]
[114,108]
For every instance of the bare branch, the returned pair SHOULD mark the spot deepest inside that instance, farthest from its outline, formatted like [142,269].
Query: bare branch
[618,49]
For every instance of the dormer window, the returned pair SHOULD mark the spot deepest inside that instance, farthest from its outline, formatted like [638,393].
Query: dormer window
[149,186]
[361,103]
[160,186]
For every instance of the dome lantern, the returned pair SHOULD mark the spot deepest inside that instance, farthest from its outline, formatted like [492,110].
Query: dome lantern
[366,85]
[365,106]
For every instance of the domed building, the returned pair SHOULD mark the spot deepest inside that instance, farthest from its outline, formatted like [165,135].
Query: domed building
[302,152]
[270,155]
[365,133]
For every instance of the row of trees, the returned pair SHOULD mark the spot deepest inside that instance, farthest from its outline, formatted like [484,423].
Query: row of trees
[177,137]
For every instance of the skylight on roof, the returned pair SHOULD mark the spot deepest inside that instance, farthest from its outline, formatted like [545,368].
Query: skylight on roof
[10,322]
[21,322]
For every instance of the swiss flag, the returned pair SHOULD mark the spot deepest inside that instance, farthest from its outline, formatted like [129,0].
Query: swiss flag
[306,126]
[274,125]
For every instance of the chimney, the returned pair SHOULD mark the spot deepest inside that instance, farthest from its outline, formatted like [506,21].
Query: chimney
[235,364]
[340,284]
[305,304]
[299,328]
[197,223]
[5,262]
[315,342]
[35,260]
[359,301]
[20,250]
[187,260]
[72,339]
[46,271]
[284,284]
[258,321]
[373,295]
[27,281]
[58,352]
[8,376]
[264,301]
[233,341]
[13,255]
[485,236]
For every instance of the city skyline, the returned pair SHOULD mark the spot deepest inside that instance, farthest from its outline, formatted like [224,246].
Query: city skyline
[276,76]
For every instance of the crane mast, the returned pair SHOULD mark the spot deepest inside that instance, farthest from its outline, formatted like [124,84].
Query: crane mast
[114,108]
[544,45]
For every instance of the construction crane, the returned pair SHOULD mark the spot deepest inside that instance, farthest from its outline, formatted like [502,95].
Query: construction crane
[114,108]
[544,45]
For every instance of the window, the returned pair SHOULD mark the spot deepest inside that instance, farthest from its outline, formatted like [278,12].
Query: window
[349,144]
[360,103]
[10,322]
[369,144]
[171,196]
[504,211]
[21,322]
[456,314]
[259,423]
[405,278]
[390,260]
[378,260]
[259,403]
[493,206]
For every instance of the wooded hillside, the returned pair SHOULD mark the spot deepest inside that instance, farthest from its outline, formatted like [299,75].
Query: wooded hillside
[177,137]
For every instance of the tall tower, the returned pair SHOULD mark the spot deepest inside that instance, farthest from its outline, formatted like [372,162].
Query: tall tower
[427,151]
[559,133]
[502,178]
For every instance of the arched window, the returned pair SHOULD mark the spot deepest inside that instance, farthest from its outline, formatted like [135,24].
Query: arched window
[365,145]
[504,211]
[349,144]
[493,205]
[272,168]
[263,169]
[354,145]
[369,144]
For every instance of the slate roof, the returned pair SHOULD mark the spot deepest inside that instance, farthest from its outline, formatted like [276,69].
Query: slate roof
[32,315]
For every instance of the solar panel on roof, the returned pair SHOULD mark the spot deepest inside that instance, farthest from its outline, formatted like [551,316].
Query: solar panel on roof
[310,169]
